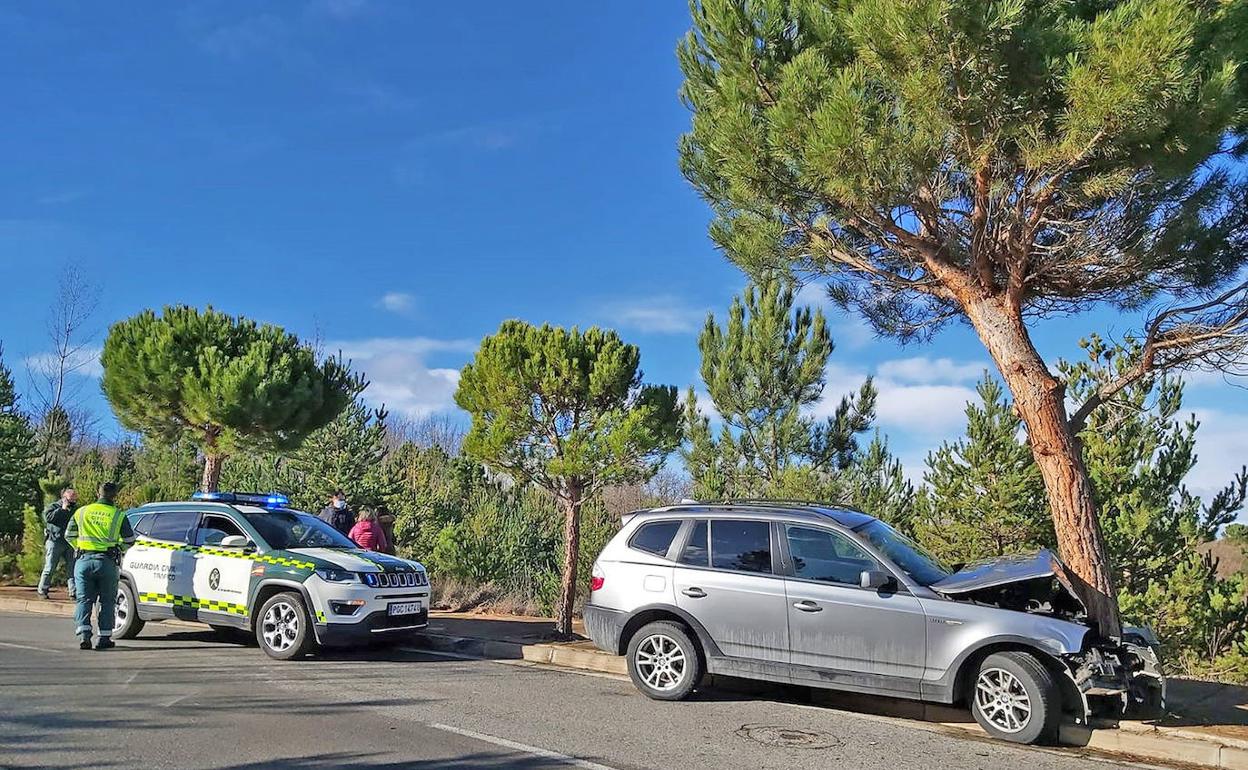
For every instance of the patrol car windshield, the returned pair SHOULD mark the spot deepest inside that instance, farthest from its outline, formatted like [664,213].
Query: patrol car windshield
[291,529]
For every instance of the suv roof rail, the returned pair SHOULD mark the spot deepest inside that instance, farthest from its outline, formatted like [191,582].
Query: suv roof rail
[777,503]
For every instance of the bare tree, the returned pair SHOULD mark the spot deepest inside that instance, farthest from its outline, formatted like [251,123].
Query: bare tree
[53,375]
[441,430]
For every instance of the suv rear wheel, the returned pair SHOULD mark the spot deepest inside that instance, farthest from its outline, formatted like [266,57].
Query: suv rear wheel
[1014,698]
[663,661]
[284,629]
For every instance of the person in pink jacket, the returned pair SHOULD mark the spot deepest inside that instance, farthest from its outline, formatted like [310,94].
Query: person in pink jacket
[367,533]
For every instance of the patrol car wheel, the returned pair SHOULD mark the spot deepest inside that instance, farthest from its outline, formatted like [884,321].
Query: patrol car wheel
[284,629]
[127,623]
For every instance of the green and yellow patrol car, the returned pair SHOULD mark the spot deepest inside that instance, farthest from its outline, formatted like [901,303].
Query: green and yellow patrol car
[249,562]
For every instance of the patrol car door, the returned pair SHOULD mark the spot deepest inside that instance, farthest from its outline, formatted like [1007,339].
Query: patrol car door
[222,575]
[161,566]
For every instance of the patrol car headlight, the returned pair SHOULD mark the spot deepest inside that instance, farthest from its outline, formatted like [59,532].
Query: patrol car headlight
[337,576]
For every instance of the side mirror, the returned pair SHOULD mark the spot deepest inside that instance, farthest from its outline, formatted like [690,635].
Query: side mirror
[875,579]
[235,541]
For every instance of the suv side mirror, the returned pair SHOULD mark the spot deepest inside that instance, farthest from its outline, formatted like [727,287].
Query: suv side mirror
[235,541]
[875,579]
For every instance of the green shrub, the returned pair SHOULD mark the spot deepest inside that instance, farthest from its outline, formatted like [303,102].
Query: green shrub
[30,562]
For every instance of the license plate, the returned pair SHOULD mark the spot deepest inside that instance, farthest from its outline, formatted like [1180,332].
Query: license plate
[404,608]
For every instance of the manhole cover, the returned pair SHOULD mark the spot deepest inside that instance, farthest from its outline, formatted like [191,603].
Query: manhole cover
[789,737]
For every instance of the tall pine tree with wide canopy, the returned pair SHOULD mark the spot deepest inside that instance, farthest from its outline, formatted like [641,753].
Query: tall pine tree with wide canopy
[992,162]
[226,383]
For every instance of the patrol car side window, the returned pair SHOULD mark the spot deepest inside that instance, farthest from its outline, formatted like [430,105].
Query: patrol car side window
[213,529]
[142,524]
[174,526]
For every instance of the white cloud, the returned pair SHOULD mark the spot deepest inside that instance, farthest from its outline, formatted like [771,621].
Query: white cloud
[1221,450]
[655,315]
[399,375]
[922,370]
[85,363]
[397,302]
[928,406]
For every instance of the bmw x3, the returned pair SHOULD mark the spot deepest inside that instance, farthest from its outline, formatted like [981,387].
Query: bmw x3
[249,563]
[830,597]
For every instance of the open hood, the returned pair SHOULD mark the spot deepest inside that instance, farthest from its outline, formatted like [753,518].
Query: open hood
[1037,582]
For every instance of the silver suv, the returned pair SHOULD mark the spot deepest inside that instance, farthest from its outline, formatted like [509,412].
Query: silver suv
[829,597]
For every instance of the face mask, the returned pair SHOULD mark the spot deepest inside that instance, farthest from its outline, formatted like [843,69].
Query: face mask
[340,504]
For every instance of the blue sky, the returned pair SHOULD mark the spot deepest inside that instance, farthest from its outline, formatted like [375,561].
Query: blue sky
[398,178]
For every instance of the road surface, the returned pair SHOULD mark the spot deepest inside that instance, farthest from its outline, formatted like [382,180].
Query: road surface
[179,697]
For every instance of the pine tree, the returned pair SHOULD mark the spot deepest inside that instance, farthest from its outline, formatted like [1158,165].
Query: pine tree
[985,496]
[1138,452]
[349,454]
[763,372]
[876,483]
[567,411]
[228,384]
[19,471]
[991,163]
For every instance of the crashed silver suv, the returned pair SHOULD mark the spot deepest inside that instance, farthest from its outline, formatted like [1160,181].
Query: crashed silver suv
[830,597]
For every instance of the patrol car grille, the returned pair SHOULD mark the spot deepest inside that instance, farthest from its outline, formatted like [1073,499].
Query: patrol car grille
[395,579]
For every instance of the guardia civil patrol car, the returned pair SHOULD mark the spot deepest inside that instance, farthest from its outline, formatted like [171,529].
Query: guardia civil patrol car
[249,562]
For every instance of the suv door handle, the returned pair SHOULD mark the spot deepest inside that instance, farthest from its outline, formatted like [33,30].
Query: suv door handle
[693,592]
[806,605]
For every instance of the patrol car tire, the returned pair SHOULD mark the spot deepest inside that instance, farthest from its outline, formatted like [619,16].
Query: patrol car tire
[284,628]
[127,623]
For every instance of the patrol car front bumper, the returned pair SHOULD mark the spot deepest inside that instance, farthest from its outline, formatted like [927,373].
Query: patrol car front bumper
[376,626]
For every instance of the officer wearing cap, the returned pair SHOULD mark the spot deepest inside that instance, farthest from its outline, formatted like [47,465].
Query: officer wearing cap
[99,533]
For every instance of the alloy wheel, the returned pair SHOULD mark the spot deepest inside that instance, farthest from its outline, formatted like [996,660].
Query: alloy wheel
[122,609]
[280,626]
[1002,699]
[661,662]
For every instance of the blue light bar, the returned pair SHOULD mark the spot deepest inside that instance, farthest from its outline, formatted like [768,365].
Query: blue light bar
[267,500]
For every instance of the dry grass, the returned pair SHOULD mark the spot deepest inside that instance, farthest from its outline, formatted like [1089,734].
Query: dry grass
[454,596]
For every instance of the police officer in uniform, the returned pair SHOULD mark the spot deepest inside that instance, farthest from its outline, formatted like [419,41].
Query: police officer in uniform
[98,532]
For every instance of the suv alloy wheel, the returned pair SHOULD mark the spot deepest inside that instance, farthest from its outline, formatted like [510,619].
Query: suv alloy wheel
[663,662]
[1014,698]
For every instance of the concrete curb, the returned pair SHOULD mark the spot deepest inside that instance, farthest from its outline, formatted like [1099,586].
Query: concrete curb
[1135,740]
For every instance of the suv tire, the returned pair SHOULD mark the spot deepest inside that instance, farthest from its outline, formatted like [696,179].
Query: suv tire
[1014,698]
[663,661]
[283,627]
[127,623]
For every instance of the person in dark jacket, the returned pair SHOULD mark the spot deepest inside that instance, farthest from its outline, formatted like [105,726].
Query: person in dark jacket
[55,547]
[337,514]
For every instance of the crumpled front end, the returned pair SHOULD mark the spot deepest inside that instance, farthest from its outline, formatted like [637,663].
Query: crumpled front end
[1122,680]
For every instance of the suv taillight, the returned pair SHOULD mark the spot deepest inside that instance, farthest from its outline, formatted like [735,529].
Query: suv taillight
[596,578]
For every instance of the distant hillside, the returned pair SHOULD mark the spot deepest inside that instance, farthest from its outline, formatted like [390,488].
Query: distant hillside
[1230,556]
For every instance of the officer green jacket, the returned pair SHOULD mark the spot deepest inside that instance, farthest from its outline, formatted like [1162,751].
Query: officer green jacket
[97,528]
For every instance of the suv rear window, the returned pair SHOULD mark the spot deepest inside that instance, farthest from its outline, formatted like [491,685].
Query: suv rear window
[655,537]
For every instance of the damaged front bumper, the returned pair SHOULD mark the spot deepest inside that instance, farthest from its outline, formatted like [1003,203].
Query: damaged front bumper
[1117,681]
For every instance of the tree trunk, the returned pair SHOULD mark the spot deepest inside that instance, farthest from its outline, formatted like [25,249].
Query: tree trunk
[571,550]
[1040,400]
[212,472]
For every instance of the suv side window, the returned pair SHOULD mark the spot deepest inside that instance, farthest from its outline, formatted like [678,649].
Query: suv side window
[697,550]
[174,526]
[213,529]
[655,537]
[828,557]
[741,546]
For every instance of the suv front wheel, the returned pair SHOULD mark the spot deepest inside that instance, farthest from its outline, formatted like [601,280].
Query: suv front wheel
[663,661]
[1014,698]
[283,628]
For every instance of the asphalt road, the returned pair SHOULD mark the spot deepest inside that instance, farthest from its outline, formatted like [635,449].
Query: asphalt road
[179,697]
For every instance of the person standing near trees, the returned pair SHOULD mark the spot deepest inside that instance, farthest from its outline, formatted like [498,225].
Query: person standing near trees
[99,533]
[56,548]
[337,514]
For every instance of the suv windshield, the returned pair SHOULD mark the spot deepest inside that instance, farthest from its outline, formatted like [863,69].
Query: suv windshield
[920,565]
[292,529]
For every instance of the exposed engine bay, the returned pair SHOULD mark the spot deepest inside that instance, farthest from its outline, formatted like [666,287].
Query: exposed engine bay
[1112,678]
